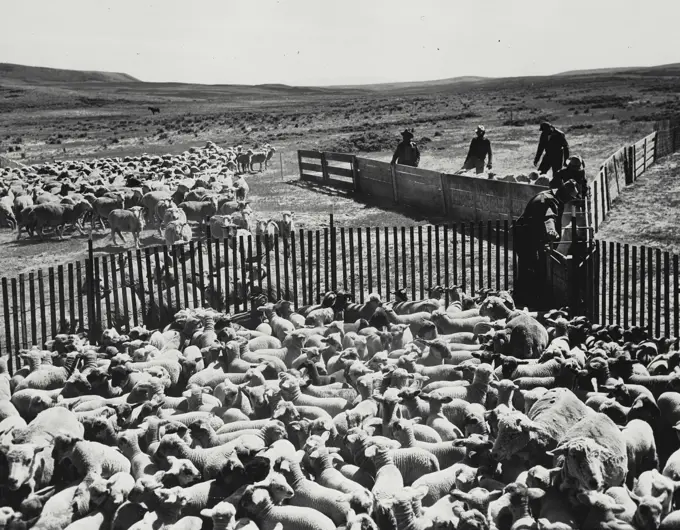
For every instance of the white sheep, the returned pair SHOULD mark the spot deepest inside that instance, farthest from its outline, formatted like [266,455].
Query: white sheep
[131,220]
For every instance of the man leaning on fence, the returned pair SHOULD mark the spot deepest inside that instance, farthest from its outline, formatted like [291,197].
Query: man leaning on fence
[540,224]
[407,152]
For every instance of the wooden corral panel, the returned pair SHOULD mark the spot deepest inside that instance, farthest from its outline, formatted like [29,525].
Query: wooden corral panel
[375,178]
[420,188]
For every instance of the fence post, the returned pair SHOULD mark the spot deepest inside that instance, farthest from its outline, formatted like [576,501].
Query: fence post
[334,268]
[324,166]
[300,164]
[355,176]
[644,158]
[89,281]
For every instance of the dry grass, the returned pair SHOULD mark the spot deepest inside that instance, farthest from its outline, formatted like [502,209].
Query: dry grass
[646,213]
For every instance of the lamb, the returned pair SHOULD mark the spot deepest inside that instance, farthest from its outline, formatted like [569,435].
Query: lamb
[260,157]
[177,232]
[527,337]
[200,211]
[258,504]
[641,449]
[131,220]
[208,461]
[103,206]
[89,457]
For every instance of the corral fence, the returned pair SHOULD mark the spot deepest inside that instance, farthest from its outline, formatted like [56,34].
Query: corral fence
[148,286]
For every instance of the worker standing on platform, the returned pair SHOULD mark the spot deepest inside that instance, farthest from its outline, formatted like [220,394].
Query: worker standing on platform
[540,224]
[480,149]
[554,143]
[407,152]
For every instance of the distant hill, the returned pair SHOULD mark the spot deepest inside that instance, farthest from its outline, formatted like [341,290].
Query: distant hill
[39,74]
[379,87]
[660,70]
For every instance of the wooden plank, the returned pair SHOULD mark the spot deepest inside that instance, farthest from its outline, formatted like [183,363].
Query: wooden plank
[626,279]
[386,236]
[498,255]
[8,333]
[234,271]
[595,207]
[657,312]
[319,294]
[226,279]
[303,272]
[666,294]
[114,286]
[447,271]
[462,253]
[395,246]
[310,269]
[277,266]
[306,166]
[53,302]
[286,270]
[81,294]
[395,187]
[244,275]
[369,260]
[604,282]
[15,317]
[506,246]
[360,255]
[676,296]
[43,307]
[340,172]
[351,262]
[489,282]
[618,284]
[22,311]
[159,279]
[634,285]
[404,271]
[473,285]
[339,157]
[293,268]
[309,154]
[650,290]
[420,262]
[413,262]
[142,288]
[344,258]
[430,277]
[71,297]
[326,256]
[437,254]
[260,276]
[34,309]
[454,248]
[377,261]
[131,286]
[643,288]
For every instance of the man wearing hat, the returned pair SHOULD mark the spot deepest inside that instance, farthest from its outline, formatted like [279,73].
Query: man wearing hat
[575,169]
[556,148]
[407,152]
[540,224]
[480,148]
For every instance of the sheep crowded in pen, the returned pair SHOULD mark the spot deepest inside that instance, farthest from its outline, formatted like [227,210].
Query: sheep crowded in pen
[409,414]
[174,193]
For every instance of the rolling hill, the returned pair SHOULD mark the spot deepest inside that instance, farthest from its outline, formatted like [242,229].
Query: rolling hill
[39,74]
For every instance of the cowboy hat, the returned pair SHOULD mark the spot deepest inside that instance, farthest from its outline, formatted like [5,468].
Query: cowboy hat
[575,162]
[544,126]
[407,132]
[480,128]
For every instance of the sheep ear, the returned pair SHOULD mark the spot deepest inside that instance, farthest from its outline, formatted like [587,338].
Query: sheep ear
[325,436]
[535,493]
[207,512]
[420,492]
[417,419]
[495,494]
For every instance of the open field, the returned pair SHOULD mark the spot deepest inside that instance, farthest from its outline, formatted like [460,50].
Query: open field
[50,120]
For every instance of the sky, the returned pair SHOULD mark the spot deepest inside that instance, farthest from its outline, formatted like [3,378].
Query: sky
[317,42]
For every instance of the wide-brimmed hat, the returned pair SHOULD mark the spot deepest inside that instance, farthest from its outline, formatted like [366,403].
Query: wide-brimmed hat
[480,128]
[544,126]
[407,133]
[575,162]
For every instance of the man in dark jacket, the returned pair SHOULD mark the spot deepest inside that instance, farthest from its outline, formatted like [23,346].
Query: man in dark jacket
[541,223]
[574,169]
[556,148]
[480,148]
[407,152]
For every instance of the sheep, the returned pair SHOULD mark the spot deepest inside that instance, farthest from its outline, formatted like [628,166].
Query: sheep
[131,220]
[641,449]
[177,232]
[260,157]
[89,457]
[102,208]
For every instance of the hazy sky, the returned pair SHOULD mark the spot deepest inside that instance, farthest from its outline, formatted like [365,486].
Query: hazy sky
[317,42]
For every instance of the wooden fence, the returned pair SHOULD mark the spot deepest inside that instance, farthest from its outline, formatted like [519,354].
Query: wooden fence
[148,286]
[439,194]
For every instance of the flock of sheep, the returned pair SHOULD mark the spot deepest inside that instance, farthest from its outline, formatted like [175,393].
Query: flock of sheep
[407,415]
[200,186]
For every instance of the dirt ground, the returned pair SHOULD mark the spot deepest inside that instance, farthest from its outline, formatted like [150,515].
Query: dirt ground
[646,213]
[598,115]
